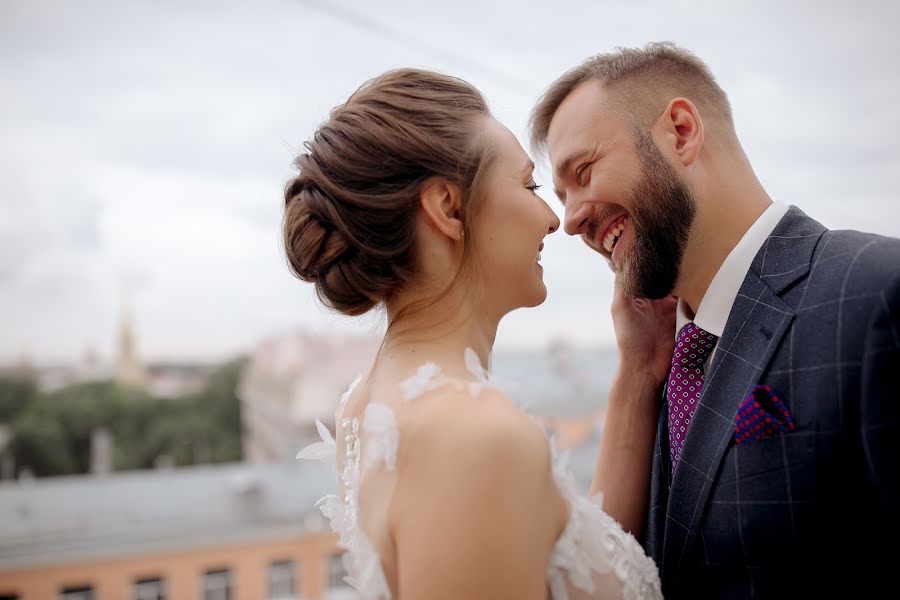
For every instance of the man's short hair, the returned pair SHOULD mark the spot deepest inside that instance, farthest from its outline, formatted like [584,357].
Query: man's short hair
[641,82]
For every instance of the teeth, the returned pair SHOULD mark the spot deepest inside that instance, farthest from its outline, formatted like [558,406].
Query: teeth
[613,236]
[539,256]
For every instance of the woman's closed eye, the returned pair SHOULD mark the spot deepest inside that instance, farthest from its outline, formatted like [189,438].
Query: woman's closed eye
[533,186]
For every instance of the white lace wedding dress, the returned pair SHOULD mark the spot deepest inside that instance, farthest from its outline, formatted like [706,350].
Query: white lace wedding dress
[593,557]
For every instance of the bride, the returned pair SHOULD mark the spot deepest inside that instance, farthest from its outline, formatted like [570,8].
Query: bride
[412,197]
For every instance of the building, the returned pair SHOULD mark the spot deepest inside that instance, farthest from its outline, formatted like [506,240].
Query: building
[289,383]
[558,381]
[235,532]
[175,380]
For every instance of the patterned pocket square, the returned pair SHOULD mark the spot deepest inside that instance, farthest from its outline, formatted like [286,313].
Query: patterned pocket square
[761,415]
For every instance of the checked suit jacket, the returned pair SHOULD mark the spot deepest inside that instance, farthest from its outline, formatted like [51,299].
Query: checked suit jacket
[816,509]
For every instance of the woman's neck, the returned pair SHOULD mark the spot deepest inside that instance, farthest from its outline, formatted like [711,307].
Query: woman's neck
[439,332]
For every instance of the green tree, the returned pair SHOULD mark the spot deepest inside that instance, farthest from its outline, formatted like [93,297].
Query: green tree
[52,432]
[15,394]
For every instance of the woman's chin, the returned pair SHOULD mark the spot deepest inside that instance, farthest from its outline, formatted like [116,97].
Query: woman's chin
[534,294]
[539,296]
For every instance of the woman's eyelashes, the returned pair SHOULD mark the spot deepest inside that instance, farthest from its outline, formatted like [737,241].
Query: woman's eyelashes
[533,186]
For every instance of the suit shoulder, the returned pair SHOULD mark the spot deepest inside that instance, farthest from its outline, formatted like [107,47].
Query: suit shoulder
[847,241]
[860,261]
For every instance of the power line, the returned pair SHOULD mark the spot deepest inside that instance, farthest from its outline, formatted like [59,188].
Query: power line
[397,35]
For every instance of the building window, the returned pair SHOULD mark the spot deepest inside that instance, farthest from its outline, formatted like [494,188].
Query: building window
[281,580]
[149,589]
[84,592]
[217,585]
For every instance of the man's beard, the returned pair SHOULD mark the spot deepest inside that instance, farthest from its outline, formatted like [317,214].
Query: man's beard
[661,217]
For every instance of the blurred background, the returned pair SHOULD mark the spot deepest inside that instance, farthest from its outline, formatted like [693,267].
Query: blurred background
[160,368]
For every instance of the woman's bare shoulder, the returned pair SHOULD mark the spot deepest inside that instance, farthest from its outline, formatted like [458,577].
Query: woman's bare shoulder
[472,444]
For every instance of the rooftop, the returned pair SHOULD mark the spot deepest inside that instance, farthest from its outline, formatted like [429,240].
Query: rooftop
[60,519]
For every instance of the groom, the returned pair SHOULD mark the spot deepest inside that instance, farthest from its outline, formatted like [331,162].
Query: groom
[777,458]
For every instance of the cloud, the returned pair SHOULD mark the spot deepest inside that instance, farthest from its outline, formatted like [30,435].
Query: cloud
[145,146]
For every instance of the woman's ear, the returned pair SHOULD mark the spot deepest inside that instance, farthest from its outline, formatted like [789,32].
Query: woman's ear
[442,207]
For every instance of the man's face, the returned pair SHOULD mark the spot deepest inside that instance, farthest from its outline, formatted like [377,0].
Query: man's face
[621,195]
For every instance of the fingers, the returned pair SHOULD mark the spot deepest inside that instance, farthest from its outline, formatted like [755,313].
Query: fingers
[670,303]
[620,300]
[618,292]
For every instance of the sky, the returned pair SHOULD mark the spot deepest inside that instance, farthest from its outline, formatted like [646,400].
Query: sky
[144,146]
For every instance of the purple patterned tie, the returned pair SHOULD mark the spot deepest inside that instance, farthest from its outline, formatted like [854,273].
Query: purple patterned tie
[686,382]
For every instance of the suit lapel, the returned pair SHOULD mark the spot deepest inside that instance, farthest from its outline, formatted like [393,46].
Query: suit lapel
[659,486]
[758,321]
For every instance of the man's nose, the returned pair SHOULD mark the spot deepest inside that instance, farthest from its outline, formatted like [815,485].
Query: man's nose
[578,215]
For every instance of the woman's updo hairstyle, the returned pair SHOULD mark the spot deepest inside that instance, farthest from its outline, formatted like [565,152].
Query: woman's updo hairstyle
[350,213]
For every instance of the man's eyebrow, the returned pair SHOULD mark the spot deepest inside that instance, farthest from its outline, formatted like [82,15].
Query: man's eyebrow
[562,168]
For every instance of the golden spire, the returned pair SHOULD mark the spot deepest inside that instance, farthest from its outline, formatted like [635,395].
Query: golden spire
[131,372]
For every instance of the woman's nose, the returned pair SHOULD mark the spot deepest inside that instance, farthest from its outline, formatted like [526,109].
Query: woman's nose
[554,223]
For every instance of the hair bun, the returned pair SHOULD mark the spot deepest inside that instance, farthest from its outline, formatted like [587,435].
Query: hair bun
[350,219]
[312,240]
[319,252]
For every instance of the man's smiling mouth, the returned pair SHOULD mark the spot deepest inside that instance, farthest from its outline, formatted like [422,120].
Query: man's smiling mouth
[614,233]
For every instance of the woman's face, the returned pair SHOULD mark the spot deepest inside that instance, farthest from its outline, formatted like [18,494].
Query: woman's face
[511,226]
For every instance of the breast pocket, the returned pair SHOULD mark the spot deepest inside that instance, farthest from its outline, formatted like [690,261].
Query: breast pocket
[761,490]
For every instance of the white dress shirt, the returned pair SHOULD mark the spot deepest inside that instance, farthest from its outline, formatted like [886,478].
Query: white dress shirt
[715,306]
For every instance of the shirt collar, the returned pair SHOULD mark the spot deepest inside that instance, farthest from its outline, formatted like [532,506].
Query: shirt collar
[716,304]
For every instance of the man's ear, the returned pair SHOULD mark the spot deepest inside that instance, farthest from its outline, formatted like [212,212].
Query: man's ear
[442,207]
[682,129]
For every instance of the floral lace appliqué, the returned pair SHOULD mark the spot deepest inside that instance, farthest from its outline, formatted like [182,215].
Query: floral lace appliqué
[381,435]
[593,543]
[361,560]
[473,364]
[324,450]
[421,382]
